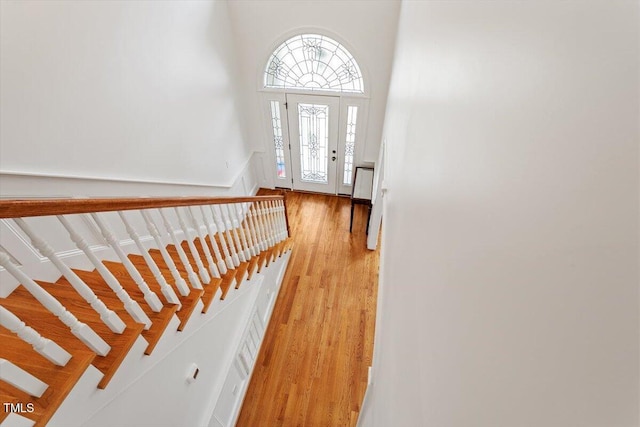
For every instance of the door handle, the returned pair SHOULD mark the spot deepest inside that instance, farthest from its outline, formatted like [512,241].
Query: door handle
[333,158]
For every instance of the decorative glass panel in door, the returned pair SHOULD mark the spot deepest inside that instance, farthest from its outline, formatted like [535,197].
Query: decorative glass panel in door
[313,132]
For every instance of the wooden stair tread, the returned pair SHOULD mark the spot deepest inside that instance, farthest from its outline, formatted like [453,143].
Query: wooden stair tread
[171,249]
[26,307]
[147,274]
[241,272]
[253,266]
[227,281]
[188,306]
[266,257]
[159,320]
[198,246]
[188,302]
[217,242]
[120,343]
[210,293]
[60,379]
[277,250]
[203,258]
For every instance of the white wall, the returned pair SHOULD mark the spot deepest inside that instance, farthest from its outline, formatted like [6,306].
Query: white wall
[367,28]
[510,237]
[134,90]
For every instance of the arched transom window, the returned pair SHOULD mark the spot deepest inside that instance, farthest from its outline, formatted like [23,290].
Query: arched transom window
[313,62]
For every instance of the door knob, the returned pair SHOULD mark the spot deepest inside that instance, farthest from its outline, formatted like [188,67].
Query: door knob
[333,151]
[333,158]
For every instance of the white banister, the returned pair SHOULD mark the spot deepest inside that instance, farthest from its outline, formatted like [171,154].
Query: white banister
[266,214]
[251,236]
[279,219]
[43,346]
[193,278]
[166,290]
[235,218]
[271,215]
[108,317]
[222,267]
[222,227]
[21,379]
[150,297]
[182,286]
[213,269]
[131,306]
[204,274]
[262,225]
[252,229]
[275,209]
[226,213]
[255,217]
[283,219]
[82,331]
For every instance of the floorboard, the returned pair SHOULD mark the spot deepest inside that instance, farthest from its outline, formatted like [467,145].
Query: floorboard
[312,369]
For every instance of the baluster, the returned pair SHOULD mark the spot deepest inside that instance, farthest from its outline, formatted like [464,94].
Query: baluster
[193,279]
[230,225]
[207,253]
[283,221]
[109,317]
[44,346]
[264,243]
[149,296]
[166,290]
[263,224]
[222,226]
[243,213]
[251,235]
[276,212]
[255,217]
[132,307]
[204,274]
[222,267]
[183,289]
[278,220]
[268,225]
[83,332]
[21,379]
[285,218]
[274,219]
[235,218]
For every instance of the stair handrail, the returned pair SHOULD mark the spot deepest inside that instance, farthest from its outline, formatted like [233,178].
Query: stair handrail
[21,208]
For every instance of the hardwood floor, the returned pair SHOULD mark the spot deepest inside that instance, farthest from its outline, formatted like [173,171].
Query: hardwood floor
[312,368]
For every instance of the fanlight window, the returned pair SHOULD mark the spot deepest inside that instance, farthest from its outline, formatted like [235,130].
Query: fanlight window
[313,62]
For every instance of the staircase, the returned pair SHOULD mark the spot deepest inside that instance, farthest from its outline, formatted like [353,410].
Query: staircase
[140,270]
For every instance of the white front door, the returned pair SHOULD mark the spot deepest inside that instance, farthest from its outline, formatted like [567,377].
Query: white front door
[313,135]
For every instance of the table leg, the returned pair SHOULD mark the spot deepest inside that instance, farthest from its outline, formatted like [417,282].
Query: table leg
[351,221]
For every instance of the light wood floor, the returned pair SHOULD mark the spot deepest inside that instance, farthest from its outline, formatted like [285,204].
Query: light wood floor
[312,369]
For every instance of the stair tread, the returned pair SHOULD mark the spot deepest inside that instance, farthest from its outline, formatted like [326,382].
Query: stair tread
[210,292]
[60,379]
[119,271]
[188,307]
[227,282]
[27,308]
[241,273]
[159,320]
[253,266]
[266,257]
[188,302]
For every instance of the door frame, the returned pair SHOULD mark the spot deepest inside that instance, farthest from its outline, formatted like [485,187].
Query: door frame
[269,157]
[295,148]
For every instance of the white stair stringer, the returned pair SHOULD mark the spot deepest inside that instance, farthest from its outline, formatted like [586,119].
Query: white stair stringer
[145,379]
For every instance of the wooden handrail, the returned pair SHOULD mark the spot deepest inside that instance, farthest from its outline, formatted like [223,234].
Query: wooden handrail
[28,208]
